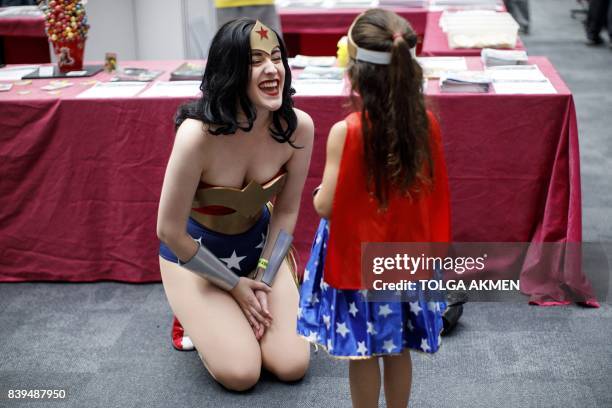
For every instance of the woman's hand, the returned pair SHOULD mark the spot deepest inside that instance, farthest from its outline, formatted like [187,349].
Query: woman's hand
[263,301]
[245,294]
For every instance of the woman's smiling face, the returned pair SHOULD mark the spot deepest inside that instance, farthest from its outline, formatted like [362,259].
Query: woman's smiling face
[266,79]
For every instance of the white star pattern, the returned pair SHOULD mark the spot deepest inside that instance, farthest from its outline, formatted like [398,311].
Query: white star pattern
[424,346]
[415,308]
[315,299]
[384,310]
[329,345]
[327,321]
[313,337]
[353,309]
[263,241]
[433,306]
[389,346]
[361,348]
[233,261]
[371,329]
[324,285]
[318,240]
[364,293]
[306,275]
[341,329]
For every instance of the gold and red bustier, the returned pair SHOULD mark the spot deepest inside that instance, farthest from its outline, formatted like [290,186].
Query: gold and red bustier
[231,210]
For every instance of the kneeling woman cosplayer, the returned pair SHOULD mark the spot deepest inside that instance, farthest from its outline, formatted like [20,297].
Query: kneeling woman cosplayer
[236,149]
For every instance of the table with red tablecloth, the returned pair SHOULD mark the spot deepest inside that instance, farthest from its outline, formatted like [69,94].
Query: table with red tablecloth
[316,31]
[81,178]
[25,41]
[435,42]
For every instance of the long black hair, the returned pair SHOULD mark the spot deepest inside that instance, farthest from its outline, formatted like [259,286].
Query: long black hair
[225,82]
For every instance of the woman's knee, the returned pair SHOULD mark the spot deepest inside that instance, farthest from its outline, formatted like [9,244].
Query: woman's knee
[289,369]
[238,377]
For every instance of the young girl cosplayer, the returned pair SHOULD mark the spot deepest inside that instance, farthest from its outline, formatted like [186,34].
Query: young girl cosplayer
[384,180]
[236,149]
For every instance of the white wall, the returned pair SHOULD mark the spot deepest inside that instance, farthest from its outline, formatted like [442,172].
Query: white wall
[111,29]
[149,29]
[201,24]
[159,29]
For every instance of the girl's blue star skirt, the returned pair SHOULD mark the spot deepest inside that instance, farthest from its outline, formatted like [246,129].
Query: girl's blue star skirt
[348,325]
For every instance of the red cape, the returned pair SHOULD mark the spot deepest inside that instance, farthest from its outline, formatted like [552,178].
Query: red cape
[355,217]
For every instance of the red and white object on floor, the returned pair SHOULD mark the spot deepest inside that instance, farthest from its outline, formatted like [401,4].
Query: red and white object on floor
[180,340]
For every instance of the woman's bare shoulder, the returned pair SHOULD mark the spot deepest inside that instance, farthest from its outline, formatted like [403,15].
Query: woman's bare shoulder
[304,132]
[192,133]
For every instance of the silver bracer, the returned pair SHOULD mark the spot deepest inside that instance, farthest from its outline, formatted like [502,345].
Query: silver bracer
[279,251]
[205,264]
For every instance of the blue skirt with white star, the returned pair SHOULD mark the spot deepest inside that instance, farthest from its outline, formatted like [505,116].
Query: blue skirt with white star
[348,325]
[240,252]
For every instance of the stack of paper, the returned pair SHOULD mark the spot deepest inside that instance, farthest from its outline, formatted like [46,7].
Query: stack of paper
[20,11]
[492,58]
[467,4]
[317,73]
[434,67]
[113,90]
[355,3]
[302,61]
[318,87]
[16,73]
[172,89]
[520,79]
[403,3]
[467,81]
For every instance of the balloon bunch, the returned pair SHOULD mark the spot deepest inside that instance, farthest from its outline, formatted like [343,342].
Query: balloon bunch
[65,20]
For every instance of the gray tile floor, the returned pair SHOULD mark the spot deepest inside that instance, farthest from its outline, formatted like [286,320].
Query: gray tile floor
[108,343]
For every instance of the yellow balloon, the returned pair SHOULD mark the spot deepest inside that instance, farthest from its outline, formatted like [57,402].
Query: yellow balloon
[342,54]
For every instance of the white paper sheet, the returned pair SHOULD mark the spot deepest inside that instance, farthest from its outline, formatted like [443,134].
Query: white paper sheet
[528,88]
[319,87]
[516,73]
[113,90]
[172,89]
[16,73]
[433,67]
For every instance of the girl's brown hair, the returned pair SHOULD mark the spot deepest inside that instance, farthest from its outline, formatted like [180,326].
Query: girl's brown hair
[395,126]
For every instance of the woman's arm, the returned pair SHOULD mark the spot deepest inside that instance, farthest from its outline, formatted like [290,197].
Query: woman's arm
[324,199]
[180,182]
[287,204]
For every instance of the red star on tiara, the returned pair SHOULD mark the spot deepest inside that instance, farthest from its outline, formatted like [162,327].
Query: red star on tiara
[263,33]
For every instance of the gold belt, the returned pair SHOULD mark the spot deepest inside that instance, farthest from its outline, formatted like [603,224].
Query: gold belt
[230,224]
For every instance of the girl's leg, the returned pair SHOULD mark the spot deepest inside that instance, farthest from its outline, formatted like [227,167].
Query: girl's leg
[364,377]
[284,353]
[398,379]
[223,337]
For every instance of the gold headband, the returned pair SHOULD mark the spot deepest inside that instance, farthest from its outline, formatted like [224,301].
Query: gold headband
[263,38]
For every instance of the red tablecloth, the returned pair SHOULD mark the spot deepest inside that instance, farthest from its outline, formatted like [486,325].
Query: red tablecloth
[435,43]
[316,31]
[25,41]
[81,178]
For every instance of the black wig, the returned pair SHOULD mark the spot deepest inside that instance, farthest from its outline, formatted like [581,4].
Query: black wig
[225,82]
